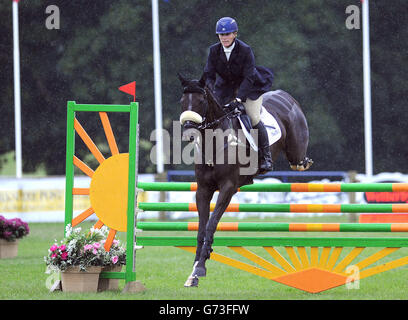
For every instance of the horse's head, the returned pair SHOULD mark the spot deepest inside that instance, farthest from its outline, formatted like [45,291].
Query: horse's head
[194,104]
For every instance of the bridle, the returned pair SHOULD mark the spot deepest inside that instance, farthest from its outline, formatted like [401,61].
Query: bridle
[213,124]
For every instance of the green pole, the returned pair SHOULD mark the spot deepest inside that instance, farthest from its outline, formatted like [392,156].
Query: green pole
[277,241]
[130,235]
[69,165]
[280,207]
[165,186]
[282,187]
[274,227]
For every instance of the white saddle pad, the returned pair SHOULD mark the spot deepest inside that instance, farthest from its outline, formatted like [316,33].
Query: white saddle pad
[271,125]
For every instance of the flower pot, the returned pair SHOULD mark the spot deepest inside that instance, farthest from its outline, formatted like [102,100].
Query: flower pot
[109,284]
[8,249]
[74,280]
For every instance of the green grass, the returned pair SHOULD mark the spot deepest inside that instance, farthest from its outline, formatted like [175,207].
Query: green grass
[163,270]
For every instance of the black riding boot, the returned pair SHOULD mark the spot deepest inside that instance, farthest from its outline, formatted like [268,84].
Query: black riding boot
[266,163]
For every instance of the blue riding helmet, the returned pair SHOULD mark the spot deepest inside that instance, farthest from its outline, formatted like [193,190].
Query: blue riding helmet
[226,25]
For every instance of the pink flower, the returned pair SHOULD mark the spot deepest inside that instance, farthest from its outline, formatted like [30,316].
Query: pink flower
[88,247]
[95,251]
[96,245]
[114,259]
[7,234]
[54,255]
[63,247]
[54,247]
[64,255]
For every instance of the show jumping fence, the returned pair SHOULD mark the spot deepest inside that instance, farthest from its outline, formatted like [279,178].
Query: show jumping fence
[312,264]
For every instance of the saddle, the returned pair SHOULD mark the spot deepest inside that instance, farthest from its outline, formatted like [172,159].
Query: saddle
[270,123]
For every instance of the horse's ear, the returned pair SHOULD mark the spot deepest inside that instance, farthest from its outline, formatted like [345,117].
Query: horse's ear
[182,79]
[211,96]
[202,81]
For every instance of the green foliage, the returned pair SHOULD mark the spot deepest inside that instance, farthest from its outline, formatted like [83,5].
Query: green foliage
[102,45]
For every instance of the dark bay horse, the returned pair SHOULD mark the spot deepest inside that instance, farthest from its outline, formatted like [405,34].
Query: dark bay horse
[200,112]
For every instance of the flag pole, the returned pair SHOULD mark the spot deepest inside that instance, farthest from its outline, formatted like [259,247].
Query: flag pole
[157,87]
[17,97]
[367,90]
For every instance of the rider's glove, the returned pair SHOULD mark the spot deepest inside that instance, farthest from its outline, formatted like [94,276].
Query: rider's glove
[234,105]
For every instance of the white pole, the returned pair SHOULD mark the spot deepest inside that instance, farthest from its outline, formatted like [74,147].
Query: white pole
[157,86]
[367,90]
[17,99]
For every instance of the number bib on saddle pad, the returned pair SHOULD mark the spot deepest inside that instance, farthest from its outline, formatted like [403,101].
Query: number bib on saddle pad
[271,125]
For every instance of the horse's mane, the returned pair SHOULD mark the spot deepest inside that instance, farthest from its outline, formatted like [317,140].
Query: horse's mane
[198,86]
[194,86]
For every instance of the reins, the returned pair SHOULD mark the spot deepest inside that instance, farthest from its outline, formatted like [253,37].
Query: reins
[230,115]
[206,125]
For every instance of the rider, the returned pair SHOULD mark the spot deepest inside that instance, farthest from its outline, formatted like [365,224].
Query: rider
[239,80]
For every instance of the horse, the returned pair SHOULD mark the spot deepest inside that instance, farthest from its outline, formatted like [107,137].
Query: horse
[201,111]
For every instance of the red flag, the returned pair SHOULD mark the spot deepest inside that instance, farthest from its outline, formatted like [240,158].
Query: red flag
[129,88]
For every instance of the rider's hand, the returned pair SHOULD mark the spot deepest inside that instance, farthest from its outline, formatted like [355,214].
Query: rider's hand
[236,104]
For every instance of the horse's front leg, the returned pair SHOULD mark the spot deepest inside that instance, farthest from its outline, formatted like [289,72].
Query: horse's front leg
[203,199]
[224,198]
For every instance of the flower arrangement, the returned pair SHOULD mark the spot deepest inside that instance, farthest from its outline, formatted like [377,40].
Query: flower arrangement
[116,255]
[83,250]
[13,229]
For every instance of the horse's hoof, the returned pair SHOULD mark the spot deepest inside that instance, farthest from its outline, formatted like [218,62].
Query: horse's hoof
[191,282]
[200,272]
[304,165]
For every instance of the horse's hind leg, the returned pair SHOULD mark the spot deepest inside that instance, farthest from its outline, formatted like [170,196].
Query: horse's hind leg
[297,141]
[203,198]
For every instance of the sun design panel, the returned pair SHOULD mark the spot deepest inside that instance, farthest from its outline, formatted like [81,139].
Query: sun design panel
[124,220]
[311,269]
[108,188]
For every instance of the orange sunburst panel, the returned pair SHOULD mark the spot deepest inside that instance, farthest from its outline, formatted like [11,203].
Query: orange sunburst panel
[83,167]
[319,275]
[80,191]
[88,141]
[82,216]
[99,224]
[109,239]
[109,133]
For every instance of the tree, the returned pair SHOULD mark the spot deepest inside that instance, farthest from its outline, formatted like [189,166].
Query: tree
[102,45]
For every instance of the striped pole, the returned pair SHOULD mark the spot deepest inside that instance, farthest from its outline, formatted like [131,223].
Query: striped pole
[277,227]
[284,187]
[283,207]
[174,241]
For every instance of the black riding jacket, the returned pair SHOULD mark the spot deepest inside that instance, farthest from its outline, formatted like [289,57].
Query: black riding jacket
[237,77]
